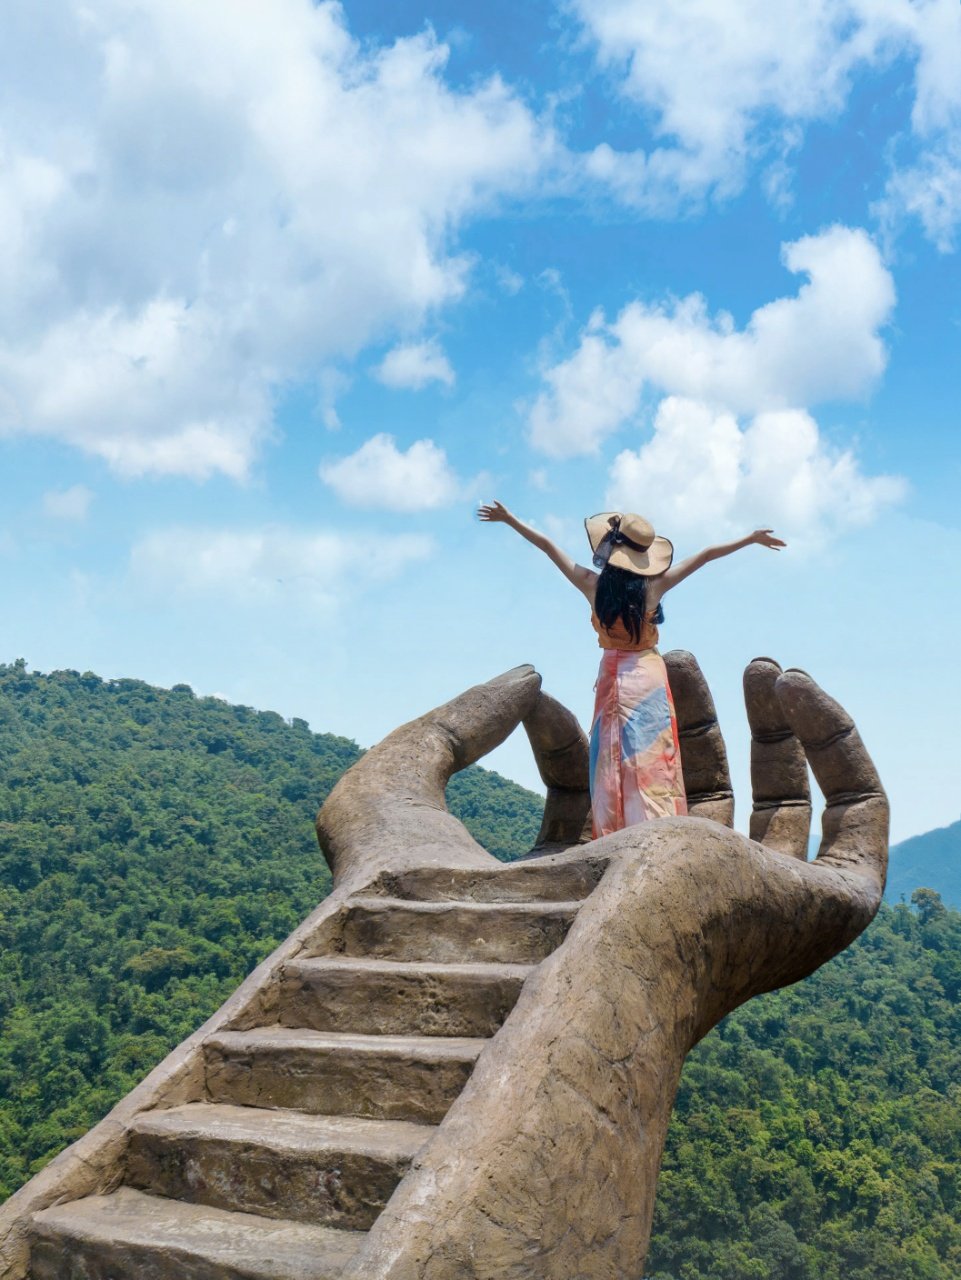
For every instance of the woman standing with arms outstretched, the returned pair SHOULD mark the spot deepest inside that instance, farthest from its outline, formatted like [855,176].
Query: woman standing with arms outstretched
[635,760]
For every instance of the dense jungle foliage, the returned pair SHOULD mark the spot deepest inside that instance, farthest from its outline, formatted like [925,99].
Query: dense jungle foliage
[155,846]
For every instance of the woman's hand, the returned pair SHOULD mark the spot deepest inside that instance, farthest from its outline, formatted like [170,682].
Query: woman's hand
[495,513]
[584,579]
[766,538]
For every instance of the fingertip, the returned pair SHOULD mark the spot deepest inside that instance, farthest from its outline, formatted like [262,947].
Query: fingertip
[814,715]
[763,711]
[762,659]
[794,688]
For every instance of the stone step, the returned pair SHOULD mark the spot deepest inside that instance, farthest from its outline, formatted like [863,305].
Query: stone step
[507,932]
[132,1236]
[387,997]
[413,1078]
[335,1171]
[532,881]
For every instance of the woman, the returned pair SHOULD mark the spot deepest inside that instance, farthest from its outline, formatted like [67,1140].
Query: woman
[635,760]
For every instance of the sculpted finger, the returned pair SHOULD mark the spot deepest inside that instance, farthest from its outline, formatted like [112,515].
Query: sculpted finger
[781,818]
[392,800]
[854,828]
[563,760]
[478,720]
[707,778]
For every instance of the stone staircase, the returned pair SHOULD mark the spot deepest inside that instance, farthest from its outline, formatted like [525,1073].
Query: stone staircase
[309,1123]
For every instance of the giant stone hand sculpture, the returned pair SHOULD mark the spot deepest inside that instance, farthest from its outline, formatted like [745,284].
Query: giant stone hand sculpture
[546,1164]
[329,1121]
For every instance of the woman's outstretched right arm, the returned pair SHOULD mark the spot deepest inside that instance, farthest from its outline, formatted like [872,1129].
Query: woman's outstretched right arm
[678,572]
[584,579]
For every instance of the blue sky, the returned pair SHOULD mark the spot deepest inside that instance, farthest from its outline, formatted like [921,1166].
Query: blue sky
[286,289]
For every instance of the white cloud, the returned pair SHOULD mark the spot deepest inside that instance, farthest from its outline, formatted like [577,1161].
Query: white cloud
[67,504]
[733,442]
[414,365]
[157,391]
[729,83]
[821,344]
[258,566]
[199,205]
[929,191]
[702,471]
[379,474]
[929,187]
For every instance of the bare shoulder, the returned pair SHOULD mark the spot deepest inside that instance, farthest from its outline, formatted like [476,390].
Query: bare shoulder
[678,571]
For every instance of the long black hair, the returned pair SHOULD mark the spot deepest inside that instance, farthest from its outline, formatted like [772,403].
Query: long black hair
[622,595]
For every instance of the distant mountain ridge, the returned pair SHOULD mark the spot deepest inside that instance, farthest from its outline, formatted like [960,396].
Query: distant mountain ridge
[930,861]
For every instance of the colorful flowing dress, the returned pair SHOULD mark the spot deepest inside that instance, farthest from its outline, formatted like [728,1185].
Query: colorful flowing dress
[635,756]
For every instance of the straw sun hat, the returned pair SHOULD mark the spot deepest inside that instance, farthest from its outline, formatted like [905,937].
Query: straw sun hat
[627,541]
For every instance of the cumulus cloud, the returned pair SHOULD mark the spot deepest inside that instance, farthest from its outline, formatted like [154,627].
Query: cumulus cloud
[703,471]
[821,344]
[258,566]
[414,365]
[733,440]
[160,390]
[197,208]
[379,474]
[728,82]
[67,504]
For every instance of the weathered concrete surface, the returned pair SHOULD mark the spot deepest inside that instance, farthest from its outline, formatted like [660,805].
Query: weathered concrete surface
[510,933]
[150,1238]
[412,1078]
[703,754]
[562,753]
[334,1171]
[781,817]
[546,1165]
[592,1054]
[391,998]
[546,879]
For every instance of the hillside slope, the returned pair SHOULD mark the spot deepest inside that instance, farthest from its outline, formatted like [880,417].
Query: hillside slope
[931,860]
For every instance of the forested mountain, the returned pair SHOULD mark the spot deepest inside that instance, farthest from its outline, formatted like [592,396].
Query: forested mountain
[932,860]
[154,846]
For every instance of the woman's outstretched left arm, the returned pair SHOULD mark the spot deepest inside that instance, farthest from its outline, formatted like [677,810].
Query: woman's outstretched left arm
[584,579]
[678,572]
